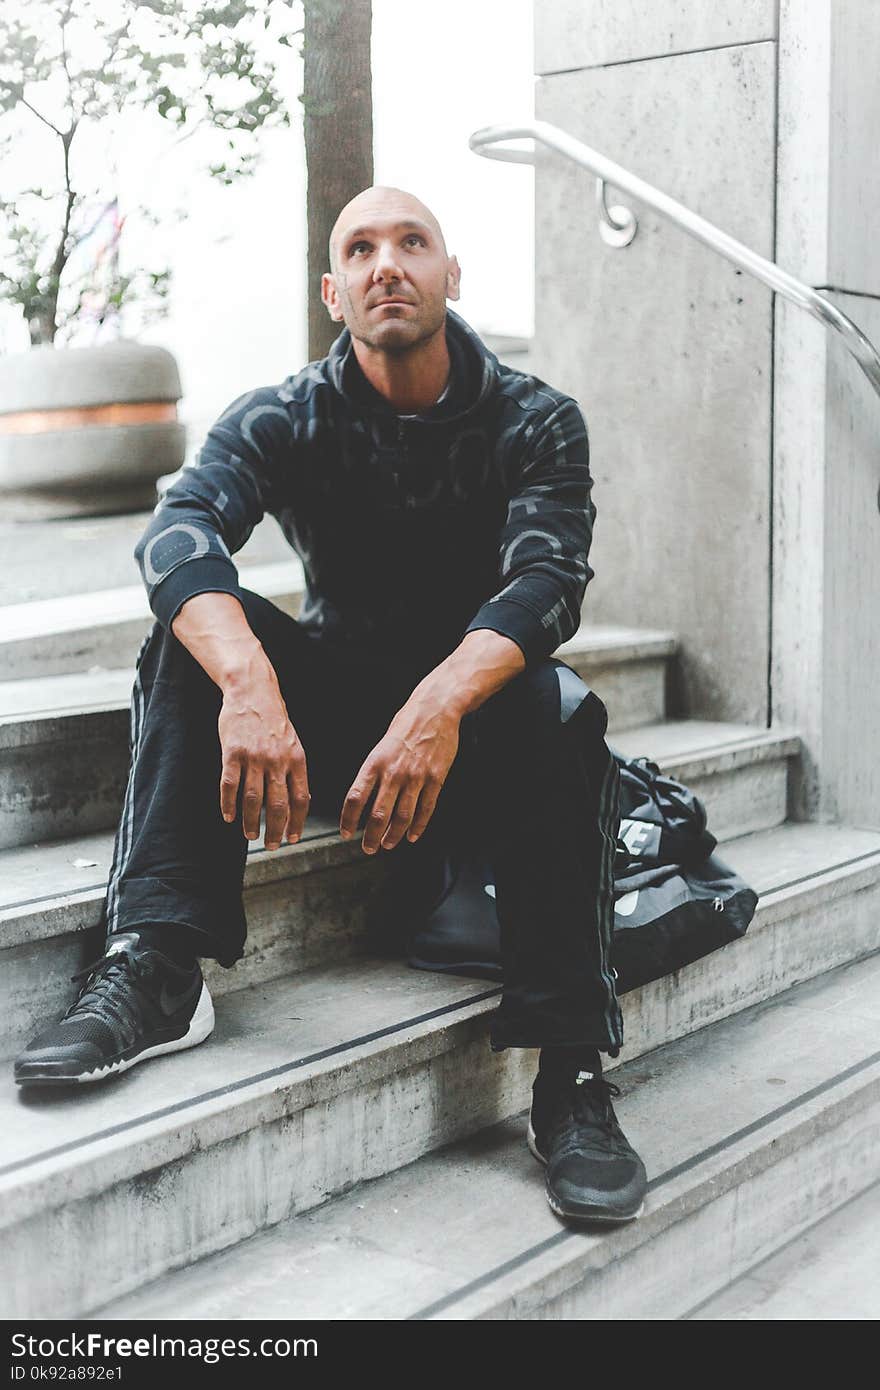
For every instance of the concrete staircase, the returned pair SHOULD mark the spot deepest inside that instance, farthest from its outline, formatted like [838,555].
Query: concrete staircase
[346,1145]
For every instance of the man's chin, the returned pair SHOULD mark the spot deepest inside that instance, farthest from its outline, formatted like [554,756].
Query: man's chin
[396,336]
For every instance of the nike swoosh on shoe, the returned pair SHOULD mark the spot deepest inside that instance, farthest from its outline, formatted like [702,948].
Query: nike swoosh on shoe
[171,1003]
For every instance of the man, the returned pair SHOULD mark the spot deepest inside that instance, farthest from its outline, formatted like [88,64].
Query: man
[440,503]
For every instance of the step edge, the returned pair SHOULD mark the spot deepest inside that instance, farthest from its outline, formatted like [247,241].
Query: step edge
[32,1186]
[721,1171]
[318,854]
[61,724]
[56,617]
[328,852]
[428,1036]
[591,654]
[692,1181]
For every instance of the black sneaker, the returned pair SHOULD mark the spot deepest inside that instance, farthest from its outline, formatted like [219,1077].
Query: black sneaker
[593,1173]
[134,1003]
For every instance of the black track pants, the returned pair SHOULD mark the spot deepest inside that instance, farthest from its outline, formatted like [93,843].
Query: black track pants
[533,778]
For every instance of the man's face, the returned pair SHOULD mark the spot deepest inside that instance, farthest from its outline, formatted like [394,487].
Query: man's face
[392,275]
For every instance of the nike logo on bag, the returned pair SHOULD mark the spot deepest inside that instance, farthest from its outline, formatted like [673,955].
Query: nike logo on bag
[626,906]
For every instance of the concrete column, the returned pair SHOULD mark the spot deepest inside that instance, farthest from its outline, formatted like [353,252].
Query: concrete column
[826,533]
[666,346]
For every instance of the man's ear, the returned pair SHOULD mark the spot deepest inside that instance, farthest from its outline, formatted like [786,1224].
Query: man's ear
[453,278]
[330,297]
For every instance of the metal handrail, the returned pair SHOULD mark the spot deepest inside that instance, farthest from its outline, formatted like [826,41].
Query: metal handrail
[618,226]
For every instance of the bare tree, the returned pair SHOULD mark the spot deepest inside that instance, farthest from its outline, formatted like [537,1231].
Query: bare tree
[338,111]
[172,57]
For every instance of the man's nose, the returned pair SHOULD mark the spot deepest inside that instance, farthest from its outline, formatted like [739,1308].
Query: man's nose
[387,267]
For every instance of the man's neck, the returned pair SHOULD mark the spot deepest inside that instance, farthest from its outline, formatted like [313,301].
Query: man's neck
[410,381]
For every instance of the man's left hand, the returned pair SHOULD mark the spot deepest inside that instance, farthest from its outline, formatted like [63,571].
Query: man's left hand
[408,768]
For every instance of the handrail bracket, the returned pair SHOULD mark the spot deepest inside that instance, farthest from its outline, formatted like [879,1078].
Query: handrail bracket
[617,225]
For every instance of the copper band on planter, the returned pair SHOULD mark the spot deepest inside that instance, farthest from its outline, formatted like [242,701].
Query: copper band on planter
[77,416]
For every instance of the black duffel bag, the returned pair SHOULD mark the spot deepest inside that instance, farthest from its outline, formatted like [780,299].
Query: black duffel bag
[661,821]
[668,912]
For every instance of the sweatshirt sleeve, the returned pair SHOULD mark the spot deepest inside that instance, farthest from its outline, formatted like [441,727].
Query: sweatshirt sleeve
[215,504]
[543,570]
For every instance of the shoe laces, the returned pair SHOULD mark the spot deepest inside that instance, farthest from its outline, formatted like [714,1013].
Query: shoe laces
[592,1102]
[107,986]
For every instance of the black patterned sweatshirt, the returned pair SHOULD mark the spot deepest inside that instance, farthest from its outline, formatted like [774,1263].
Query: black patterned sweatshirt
[412,531]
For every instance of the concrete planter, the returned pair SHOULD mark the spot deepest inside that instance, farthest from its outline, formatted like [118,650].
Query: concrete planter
[87,431]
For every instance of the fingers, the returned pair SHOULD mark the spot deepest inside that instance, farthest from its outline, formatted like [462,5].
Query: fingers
[425,810]
[252,802]
[401,816]
[298,800]
[277,808]
[399,809]
[378,818]
[380,814]
[254,777]
[393,812]
[285,796]
[287,802]
[229,780]
[356,800]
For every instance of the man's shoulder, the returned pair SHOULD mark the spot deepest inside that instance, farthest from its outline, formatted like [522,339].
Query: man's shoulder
[284,401]
[301,389]
[529,395]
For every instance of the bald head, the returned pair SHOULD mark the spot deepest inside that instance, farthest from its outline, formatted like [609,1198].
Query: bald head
[391,274]
[380,200]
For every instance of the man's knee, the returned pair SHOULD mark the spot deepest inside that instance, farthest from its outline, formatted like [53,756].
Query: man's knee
[577,698]
[545,698]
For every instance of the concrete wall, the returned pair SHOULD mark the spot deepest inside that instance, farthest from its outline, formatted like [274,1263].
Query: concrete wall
[826,552]
[734,444]
[667,347]
[597,33]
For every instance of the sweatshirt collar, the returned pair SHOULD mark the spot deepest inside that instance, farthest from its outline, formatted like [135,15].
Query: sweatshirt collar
[473,374]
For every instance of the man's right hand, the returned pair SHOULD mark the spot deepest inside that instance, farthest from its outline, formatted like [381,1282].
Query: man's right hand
[264,760]
[262,755]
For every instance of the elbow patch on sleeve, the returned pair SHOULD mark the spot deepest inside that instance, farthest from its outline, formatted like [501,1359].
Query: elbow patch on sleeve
[178,544]
[182,559]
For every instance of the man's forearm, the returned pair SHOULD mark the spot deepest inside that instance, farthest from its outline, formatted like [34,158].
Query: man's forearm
[482,664]
[215,631]
[263,762]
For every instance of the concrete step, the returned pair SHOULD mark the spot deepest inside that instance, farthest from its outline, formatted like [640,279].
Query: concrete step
[71,633]
[751,1130]
[828,1273]
[350,1071]
[305,903]
[627,669]
[74,633]
[305,906]
[51,559]
[739,771]
[64,739]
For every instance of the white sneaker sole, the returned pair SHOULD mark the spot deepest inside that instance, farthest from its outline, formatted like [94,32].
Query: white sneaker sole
[201,1025]
[530,1140]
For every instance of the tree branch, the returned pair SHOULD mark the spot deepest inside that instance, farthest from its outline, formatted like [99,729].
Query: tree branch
[65,18]
[45,119]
